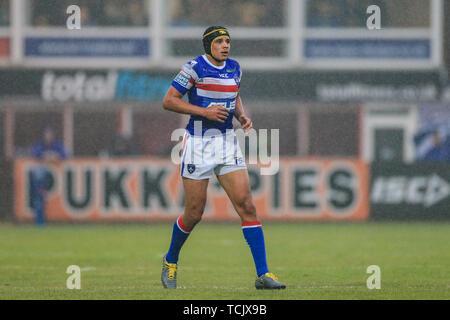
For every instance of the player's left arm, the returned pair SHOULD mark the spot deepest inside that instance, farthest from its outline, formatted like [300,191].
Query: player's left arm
[239,113]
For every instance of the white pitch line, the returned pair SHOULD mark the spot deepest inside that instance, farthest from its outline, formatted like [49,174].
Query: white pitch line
[88,269]
[329,287]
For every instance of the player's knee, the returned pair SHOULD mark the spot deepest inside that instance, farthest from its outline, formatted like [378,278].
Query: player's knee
[195,211]
[247,207]
[195,218]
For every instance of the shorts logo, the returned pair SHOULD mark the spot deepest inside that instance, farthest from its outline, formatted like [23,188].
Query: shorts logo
[239,161]
[191,168]
[182,78]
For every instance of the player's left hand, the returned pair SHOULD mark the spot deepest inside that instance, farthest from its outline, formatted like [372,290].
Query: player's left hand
[246,123]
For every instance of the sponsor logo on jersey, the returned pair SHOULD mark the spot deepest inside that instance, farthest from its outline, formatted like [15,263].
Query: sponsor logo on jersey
[182,78]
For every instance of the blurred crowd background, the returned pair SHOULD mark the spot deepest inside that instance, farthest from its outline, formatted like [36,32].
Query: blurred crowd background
[262,39]
[249,13]
[367,110]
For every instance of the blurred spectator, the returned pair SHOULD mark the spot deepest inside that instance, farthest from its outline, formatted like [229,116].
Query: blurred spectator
[122,147]
[46,151]
[47,13]
[184,13]
[342,13]
[87,20]
[440,151]
[432,140]
[122,13]
[209,14]
[178,15]
[249,13]
[138,13]
[41,21]
[4,12]
[113,13]
[93,13]
[243,13]
[323,13]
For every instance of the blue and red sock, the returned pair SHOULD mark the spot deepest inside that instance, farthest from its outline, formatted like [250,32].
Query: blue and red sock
[254,236]
[179,235]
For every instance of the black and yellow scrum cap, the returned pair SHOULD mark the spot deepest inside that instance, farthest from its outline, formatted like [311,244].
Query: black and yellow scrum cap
[212,33]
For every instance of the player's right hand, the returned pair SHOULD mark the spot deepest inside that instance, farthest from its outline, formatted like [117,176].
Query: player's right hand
[216,113]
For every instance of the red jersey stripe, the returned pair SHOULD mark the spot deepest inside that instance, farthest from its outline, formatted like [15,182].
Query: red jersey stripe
[217,87]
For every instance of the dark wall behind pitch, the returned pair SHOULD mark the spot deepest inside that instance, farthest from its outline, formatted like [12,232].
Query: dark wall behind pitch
[446,35]
[6,190]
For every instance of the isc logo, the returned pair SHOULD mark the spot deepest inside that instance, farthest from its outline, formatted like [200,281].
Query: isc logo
[425,190]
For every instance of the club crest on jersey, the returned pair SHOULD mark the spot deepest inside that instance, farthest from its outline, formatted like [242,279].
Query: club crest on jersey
[191,168]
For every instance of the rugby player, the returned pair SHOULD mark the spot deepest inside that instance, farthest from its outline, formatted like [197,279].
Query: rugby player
[212,82]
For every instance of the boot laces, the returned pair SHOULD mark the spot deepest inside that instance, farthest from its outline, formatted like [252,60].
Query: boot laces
[271,276]
[172,270]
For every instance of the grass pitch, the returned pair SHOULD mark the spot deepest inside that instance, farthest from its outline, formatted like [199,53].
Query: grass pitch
[315,260]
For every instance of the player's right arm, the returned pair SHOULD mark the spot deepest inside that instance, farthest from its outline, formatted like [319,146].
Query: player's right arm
[173,102]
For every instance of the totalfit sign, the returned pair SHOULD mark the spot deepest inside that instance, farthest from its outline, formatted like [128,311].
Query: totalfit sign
[151,190]
[95,86]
